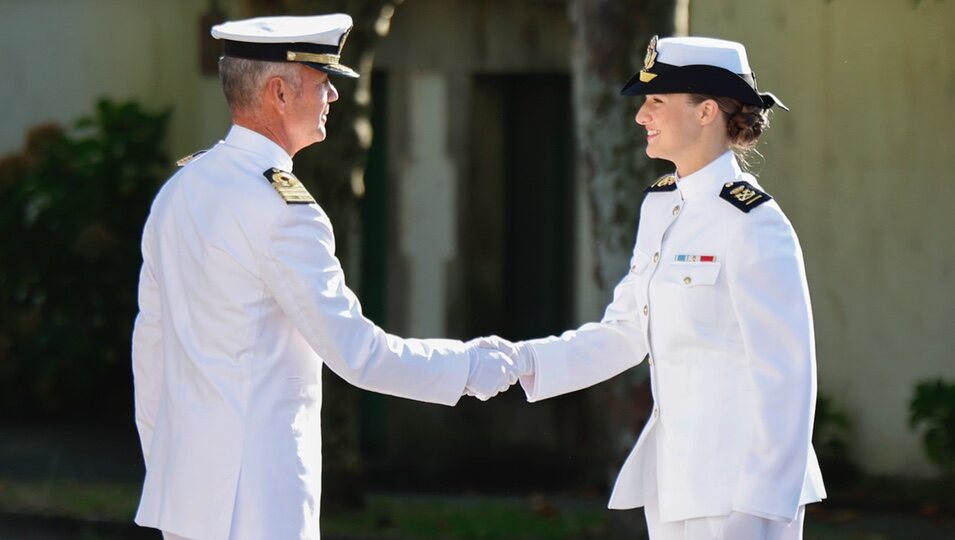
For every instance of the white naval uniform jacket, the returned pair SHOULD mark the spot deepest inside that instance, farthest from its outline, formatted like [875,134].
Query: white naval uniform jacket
[731,354]
[241,302]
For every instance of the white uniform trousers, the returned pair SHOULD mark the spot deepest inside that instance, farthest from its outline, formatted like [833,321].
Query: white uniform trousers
[705,528]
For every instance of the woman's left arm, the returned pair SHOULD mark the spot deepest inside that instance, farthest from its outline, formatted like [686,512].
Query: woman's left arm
[767,283]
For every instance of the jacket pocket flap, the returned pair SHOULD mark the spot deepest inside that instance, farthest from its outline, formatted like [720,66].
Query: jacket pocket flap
[694,274]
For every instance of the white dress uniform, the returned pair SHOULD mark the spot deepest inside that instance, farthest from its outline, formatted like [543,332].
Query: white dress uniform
[241,303]
[717,297]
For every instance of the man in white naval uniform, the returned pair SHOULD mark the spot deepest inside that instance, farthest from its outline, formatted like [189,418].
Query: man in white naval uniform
[242,301]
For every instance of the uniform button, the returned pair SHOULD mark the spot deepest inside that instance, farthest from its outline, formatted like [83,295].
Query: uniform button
[650,361]
[646,310]
[656,412]
[656,257]
[676,210]
[687,280]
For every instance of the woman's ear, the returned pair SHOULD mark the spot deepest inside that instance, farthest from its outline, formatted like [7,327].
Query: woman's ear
[709,111]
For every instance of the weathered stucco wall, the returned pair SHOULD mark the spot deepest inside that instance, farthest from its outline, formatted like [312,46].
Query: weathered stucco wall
[862,165]
[58,57]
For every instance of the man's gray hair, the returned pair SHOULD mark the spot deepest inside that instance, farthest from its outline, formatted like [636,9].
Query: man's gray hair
[243,79]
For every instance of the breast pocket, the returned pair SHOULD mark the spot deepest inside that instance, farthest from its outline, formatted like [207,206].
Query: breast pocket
[692,291]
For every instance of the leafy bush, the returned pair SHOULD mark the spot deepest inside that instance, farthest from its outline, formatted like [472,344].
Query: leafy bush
[934,408]
[829,438]
[72,206]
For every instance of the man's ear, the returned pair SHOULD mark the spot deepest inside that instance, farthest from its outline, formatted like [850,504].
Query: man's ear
[276,93]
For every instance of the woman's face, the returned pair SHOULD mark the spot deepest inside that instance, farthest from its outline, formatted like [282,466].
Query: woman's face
[673,126]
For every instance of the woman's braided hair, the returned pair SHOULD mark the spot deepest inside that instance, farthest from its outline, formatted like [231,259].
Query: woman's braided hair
[744,123]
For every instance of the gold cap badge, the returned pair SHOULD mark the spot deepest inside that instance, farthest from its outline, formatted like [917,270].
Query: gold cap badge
[648,61]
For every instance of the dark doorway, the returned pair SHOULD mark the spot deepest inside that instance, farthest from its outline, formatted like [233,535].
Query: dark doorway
[519,216]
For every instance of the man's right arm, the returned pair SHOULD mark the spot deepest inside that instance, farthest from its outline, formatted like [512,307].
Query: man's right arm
[301,270]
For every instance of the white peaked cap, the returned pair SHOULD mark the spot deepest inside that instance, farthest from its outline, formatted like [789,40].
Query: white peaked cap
[317,41]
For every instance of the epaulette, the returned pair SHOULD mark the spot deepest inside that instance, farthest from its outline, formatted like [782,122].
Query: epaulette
[743,195]
[289,187]
[181,162]
[664,183]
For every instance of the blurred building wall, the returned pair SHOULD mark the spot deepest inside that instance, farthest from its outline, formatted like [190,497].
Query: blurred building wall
[863,167]
[58,57]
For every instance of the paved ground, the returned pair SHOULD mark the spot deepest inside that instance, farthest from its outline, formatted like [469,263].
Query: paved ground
[847,526]
[105,453]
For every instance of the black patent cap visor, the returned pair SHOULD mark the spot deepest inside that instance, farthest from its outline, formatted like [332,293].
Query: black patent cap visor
[334,69]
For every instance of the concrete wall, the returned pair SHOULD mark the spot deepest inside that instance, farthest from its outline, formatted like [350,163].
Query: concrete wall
[58,57]
[862,165]
[434,51]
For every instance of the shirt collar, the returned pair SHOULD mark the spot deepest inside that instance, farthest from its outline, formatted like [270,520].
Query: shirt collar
[710,179]
[253,141]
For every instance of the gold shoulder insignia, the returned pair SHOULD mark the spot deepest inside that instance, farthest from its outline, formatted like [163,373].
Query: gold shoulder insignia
[181,162]
[743,195]
[289,187]
[664,183]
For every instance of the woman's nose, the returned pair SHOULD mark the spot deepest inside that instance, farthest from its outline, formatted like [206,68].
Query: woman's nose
[641,117]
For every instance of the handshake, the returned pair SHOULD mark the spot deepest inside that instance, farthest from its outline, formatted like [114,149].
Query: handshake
[496,364]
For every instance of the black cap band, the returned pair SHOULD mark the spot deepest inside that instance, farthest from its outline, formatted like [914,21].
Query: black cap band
[275,52]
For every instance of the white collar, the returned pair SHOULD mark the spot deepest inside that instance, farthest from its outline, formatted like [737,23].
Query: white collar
[253,141]
[710,179]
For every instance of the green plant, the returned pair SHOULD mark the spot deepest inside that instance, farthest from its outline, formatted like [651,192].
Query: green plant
[829,438]
[933,410]
[72,205]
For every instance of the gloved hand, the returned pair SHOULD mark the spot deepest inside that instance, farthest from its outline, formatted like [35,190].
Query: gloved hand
[491,372]
[520,353]
[742,526]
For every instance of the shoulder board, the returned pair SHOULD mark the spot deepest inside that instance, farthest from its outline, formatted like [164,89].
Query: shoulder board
[181,162]
[743,195]
[288,187]
[664,183]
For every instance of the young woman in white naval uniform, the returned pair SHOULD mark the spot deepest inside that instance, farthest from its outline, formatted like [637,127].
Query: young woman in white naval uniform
[716,300]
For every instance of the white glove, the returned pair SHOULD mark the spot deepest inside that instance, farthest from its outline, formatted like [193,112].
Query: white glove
[520,353]
[742,526]
[491,372]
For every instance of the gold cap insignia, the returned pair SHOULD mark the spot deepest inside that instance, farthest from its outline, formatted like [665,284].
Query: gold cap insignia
[648,61]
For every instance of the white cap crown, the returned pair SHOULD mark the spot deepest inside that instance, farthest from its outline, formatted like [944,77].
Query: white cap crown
[318,29]
[689,51]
